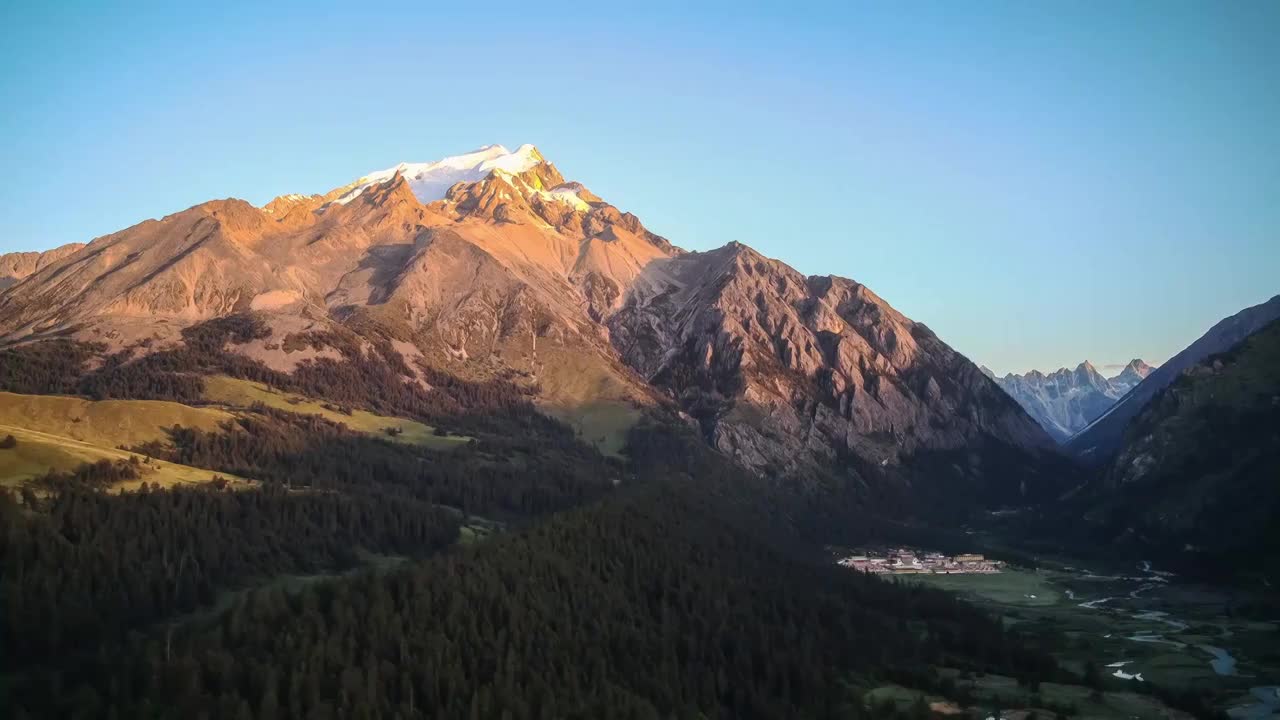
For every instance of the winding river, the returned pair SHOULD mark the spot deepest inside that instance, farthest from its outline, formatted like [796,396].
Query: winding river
[1268,704]
[1221,660]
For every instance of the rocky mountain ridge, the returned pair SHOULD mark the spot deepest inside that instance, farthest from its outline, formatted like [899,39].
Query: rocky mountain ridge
[17,265]
[513,271]
[761,354]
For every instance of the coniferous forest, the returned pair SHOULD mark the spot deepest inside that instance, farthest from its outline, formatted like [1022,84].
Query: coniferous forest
[654,602]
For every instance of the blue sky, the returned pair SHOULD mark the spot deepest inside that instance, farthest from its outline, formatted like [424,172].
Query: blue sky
[1038,182]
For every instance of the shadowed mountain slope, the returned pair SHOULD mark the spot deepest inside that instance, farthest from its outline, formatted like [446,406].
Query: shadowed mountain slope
[1098,442]
[1195,476]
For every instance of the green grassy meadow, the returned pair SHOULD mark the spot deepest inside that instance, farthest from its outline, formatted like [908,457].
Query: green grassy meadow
[236,393]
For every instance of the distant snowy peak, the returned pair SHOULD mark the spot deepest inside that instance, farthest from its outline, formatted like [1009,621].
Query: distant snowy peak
[1132,374]
[1065,401]
[430,181]
[1137,367]
[1141,367]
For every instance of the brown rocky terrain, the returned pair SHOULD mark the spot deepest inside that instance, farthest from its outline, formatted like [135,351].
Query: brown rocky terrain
[515,271]
[18,265]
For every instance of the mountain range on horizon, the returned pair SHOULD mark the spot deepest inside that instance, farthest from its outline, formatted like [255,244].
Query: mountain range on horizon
[1065,401]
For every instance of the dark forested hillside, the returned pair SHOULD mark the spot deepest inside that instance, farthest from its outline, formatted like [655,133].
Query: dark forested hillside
[1196,478]
[1098,443]
[1193,486]
[653,604]
[506,476]
[82,566]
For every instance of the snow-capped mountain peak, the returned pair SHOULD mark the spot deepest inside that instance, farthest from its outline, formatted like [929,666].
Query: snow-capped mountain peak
[1137,367]
[429,181]
[1131,375]
[1065,401]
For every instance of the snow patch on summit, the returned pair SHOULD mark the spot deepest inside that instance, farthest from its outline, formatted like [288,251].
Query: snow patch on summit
[566,193]
[430,181]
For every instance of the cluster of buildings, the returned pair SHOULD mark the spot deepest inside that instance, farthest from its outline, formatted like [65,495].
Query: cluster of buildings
[904,561]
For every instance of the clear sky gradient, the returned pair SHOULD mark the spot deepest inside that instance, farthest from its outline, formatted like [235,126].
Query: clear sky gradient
[1038,182]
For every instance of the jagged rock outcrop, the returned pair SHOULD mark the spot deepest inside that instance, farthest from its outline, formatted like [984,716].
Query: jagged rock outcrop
[18,265]
[784,370]
[1065,401]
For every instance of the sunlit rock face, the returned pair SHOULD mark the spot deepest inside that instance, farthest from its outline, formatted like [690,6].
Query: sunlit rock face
[492,263]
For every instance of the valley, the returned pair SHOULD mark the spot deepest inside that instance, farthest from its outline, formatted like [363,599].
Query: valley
[245,394]
[1135,626]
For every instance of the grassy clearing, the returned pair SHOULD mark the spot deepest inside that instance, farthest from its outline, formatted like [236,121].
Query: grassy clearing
[237,393]
[991,690]
[590,396]
[1012,587]
[1110,704]
[902,697]
[36,453]
[905,698]
[603,423]
[292,584]
[56,432]
[106,423]
[477,530]
[1179,668]
[474,528]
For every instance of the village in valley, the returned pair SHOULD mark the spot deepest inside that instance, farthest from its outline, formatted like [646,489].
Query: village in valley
[906,561]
